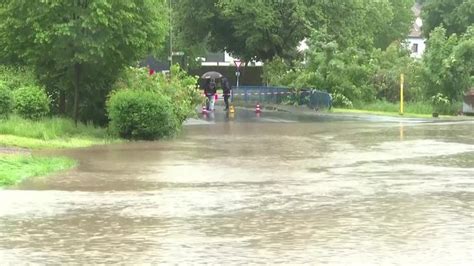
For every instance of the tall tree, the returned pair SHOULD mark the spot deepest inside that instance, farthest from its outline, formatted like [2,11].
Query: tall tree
[363,23]
[264,29]
[249,29]
[454,15]
[79,42]
[399,25]
[448,63]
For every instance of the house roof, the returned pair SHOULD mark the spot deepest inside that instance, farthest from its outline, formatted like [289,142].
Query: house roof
[416,31]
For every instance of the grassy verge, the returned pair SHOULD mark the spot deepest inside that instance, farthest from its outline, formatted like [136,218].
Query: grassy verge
[372,112]
[411,109]
[47,133]
[15,168]
[417,108]
[32,143]
[50,133]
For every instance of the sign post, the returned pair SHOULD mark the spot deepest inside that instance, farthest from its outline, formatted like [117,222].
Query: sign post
[237,63]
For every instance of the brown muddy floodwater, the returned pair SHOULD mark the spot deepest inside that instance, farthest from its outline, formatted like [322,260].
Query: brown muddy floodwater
[274,189]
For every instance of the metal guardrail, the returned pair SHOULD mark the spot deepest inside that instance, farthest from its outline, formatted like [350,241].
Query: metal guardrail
[312,98]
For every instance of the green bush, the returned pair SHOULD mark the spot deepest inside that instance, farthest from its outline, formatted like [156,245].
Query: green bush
[441,104]
[339,100]
[16,77]
[6,101]
[180,88]
[31,102]
[138,114]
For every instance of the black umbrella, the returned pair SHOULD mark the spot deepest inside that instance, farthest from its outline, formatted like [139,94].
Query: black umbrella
[211,75]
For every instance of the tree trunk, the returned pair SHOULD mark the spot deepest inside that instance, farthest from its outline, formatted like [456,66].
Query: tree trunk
[77,79]
[62,102]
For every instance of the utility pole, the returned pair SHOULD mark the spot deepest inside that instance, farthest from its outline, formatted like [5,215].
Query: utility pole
[402,81]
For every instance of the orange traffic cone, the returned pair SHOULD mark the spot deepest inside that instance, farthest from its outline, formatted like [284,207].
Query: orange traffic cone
[257,109]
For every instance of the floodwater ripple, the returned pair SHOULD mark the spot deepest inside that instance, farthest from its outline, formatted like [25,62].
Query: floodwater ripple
[331,192]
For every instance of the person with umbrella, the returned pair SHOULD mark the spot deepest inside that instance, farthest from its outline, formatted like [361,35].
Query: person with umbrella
[210,89]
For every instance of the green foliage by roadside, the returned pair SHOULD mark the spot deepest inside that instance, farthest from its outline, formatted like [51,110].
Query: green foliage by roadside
[74,46]
[352,74]
[180,87]
[48,128]
[418,107]
[50,133]
[14,77]
[15,168]
[346,73]
[390,64]
[440,103]
[448,64]
[6,101]
[141,114]
[279,72]
[339,100]
[168,99]
[31,102]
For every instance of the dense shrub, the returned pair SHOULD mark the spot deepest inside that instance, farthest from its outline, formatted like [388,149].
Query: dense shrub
[6,101]
[16,77]
[31,102]
[448,64]
[139,114]
[339,100]
[180,88]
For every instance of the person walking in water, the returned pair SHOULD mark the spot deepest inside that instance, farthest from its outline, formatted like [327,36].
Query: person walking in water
[226,91]
[210,91]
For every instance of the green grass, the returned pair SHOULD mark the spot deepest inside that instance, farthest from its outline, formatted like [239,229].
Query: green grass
[31,143]
[15,168]
[411,109]
[367,112]
[50,133]
[49,128]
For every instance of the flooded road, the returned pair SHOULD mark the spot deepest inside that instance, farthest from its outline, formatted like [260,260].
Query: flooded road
[272,189]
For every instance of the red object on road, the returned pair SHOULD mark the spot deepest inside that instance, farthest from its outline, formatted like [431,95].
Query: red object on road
[257,108]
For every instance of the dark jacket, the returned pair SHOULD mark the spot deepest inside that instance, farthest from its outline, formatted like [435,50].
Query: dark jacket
[226,86]
[210,89]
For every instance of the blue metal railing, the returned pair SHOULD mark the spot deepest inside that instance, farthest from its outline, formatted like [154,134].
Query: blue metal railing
[312,98]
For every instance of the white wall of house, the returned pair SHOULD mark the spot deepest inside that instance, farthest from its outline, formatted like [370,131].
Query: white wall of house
[417,46]
[229,61]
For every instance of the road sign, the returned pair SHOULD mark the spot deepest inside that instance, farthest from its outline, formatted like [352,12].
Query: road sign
[178,53]
[237,73]
[237,63]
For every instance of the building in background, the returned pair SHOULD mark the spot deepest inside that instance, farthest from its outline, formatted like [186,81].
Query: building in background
[415,41]
[468,105]
[223,59]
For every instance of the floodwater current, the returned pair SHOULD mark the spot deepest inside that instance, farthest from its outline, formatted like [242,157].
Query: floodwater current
[278,188]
